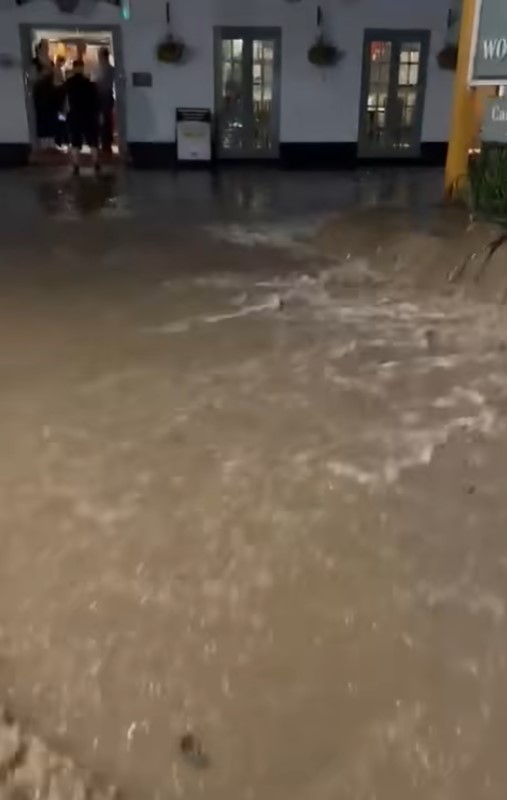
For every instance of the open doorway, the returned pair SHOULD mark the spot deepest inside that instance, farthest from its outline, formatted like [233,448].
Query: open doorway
[47,123]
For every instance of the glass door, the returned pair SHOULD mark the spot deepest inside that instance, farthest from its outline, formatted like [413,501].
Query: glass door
[392,95]
[247,69]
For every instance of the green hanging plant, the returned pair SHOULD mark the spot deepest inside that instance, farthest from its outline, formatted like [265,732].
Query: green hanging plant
[171,50]
[323,53]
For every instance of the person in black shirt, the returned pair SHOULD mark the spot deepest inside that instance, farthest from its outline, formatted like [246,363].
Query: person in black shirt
[83,117]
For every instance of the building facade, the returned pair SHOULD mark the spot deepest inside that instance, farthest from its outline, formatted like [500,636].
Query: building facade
[384,95]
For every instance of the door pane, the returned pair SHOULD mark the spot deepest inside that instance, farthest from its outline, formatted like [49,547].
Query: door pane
[404,113]
[232,116]
[410,54]
[404,118]
[380,54]
[262,77]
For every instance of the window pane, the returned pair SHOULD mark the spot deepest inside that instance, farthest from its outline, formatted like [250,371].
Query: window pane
[410,52]
[380,52]
[403,74]
[413,74]
[232,94]
[262,75]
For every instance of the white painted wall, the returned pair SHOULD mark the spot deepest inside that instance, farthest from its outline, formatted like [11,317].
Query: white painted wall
[316,105]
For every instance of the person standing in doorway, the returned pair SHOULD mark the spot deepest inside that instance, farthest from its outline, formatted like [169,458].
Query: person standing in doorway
[81,55]
[44,95]
[83,118]
[105,88]
[60,99]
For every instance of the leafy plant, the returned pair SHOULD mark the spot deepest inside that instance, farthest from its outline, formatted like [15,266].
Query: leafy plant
[171,50]
[488,183]
[323,53]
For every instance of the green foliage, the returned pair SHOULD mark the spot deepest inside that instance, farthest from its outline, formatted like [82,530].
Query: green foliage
[488,183]
[170,50]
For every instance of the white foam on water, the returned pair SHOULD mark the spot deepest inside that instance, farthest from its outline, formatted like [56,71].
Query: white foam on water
[273,303]
[341,351]
[284,236]
[415,448]
[182,326]
[342,469]
[465,594]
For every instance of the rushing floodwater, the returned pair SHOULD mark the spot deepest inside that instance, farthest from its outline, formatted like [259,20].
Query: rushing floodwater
[260,500]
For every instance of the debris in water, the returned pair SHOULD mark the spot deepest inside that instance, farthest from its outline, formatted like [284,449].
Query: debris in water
[193,751]
[430,338]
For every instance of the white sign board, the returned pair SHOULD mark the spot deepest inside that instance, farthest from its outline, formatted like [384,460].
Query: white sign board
[488,64]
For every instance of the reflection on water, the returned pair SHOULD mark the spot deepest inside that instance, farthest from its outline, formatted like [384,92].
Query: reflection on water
[188,197]
[86,195]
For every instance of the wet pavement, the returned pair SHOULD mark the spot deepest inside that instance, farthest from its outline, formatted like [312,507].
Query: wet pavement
[187,197]
[252,512]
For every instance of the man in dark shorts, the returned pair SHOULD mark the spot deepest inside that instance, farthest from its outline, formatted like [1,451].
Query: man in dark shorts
[83,117]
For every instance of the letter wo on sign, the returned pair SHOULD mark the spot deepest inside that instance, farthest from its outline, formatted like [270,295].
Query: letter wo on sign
[489,57]
[495,49]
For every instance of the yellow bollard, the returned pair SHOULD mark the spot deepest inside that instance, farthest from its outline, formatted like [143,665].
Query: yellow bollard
[463,121]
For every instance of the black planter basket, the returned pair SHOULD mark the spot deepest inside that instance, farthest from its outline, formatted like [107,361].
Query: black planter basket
[171,51]
[448,57]
[324,54]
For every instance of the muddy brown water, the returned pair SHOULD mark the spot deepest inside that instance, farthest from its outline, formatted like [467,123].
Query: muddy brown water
[255,498]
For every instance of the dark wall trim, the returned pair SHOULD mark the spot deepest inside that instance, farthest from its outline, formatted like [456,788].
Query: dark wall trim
[344,155]
[161,155]
[293,155]
[152,155]
[312,155]
[434,153]
[13,154]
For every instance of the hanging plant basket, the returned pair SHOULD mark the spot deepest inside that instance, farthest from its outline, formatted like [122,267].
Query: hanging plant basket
[67,6]
[171,51]
[448,57]
[324,54]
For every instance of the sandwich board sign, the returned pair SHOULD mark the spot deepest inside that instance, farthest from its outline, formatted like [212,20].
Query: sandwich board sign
[488,65]
[193,134]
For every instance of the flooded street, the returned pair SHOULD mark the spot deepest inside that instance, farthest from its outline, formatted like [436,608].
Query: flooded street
[252,500]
